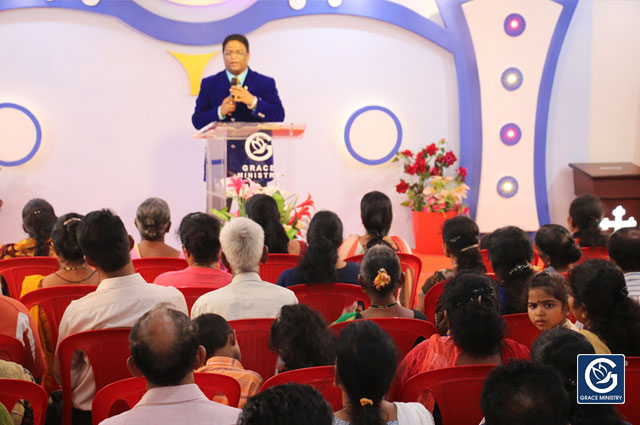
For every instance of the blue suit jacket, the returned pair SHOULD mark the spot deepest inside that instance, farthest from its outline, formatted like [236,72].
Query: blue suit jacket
[215,88]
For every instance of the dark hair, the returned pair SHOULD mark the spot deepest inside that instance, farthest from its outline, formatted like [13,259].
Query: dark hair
[366,364]
[377,214]
[301,336]
[376,258]
[235,37]
[318,265]
[263,209]
[164,353]
[586,211]
[212,332]
[471,303]
[65,238]
[38,218]
[510,252]
[460,235]
[104,240]
[559,348]
[200,235]
[524,393]
[554,284]
[624,248]
[152,219]
[557,242]
[613,316]
[287,404]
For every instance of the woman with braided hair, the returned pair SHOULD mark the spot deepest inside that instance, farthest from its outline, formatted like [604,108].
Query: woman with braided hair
[153,221]
[263,209]
[585,214]
[38,218]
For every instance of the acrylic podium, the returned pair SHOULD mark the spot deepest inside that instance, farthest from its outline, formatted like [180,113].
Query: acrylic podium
[217,134]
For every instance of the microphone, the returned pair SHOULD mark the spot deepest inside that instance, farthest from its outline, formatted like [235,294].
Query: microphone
[234,81]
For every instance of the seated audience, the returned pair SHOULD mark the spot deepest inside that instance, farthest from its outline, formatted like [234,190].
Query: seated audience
[73,271]
[376,214]
[599,299]
[549,302]
[380,277]
[165,350]
[153,221]
[524,393]
[263,209]
[624,249]
[287,404]
[560,348]
[510,252]
[38,218]
[120,299]
[365,366]
[475,326]
[223,355]
[20,413]
[585,215]
[320,263]
[199,234]
[247,296]
[556,248]
[301,338]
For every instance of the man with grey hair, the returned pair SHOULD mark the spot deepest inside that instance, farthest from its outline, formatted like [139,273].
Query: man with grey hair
[247,296]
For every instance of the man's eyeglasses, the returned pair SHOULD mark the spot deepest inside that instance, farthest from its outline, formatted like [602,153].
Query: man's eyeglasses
[235,52]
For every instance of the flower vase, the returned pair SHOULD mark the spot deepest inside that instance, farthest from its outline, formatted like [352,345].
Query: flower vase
[427,231]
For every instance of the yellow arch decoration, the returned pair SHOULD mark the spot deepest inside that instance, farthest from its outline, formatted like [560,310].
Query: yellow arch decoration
[194,65]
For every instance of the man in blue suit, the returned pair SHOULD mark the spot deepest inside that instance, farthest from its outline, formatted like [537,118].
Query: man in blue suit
[253,97]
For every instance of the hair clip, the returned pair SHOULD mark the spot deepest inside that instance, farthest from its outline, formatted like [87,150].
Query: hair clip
[520,267]
[382,279]
[36,212]
[467,248]
[365,401]
[454,239]
[624,291]
[71,220]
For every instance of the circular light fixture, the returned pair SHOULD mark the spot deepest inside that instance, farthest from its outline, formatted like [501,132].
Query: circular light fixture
[350,145]
[514,24]
[507,187]
[511,79]
[36,145]
[510,134]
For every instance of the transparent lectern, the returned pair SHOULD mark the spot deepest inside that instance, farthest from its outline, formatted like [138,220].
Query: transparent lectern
[259,135]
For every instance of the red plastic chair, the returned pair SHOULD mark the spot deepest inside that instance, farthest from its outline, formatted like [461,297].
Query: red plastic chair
[107,351]
[520,329]
[150,267]
[14,270]
[253,338]
[276,264]
[456,390]
[11,349]
[431,299]
[404,331]
[320,377]
[192,293]
[54,302]
[631,408]
[12,390]
[355,259]
[595,253]
[329,299]
[120,396]
[484,253]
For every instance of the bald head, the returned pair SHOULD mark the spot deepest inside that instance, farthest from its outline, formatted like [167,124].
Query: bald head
[624,248]
[164,345]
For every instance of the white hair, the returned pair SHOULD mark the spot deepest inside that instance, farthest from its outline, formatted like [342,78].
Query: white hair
[242,242]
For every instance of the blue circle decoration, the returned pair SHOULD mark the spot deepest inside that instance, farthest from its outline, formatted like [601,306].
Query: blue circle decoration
[510,134]
[347,140]
[36,146]
[514,24]
[511,79]
[507,187]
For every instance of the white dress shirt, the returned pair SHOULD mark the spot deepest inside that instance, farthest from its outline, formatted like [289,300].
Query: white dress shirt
[246,297]
[117,302]
[633,284]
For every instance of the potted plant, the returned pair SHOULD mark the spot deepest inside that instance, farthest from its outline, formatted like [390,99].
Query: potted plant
[435,188]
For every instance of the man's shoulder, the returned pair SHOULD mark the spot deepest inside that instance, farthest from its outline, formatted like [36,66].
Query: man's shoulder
[215,78]
[256,76]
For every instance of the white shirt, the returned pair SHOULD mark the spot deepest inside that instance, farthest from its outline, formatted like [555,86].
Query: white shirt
[246,297]
[180,404]
[633,284]
[117,302]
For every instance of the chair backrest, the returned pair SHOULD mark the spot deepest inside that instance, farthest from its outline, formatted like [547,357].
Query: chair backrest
[120,396]
[431,300]
[631,408]
[276,264]
[412,266]
[54,302]
[329,299]
[403,330]
[253,337]
[11,349]
[484,253]
[520,329]
[14,270]
[456,390]
[12,390]
[355,258]
[150,267]
[319,377]
[593,253]
[192,293]
[107,351]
